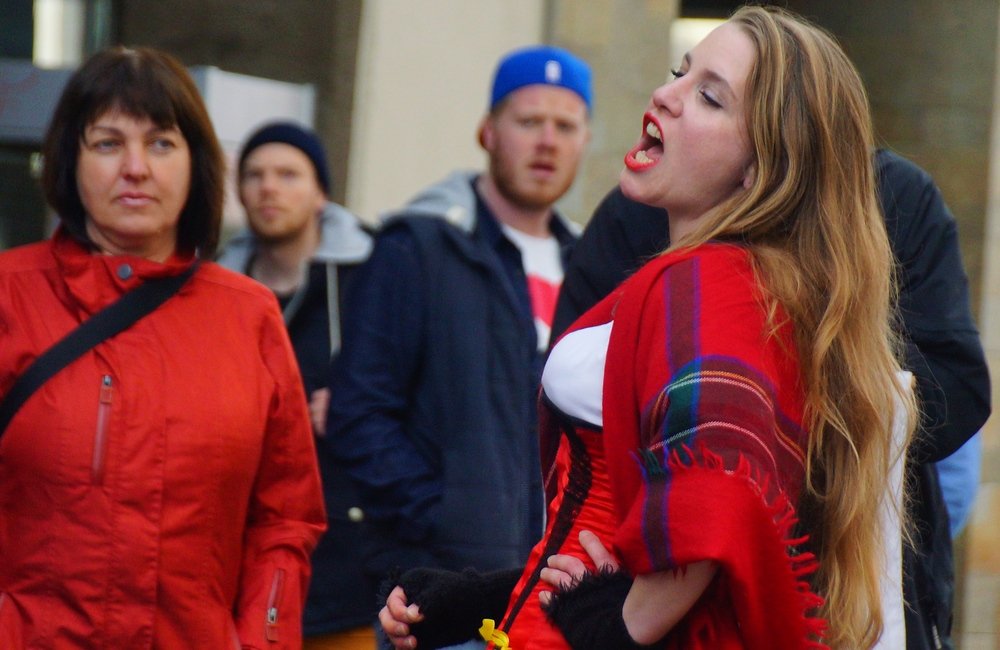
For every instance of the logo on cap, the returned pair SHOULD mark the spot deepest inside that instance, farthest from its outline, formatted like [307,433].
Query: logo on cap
[553,71]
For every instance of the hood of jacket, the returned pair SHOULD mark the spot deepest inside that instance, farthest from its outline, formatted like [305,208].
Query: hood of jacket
[342,240]
[454,200]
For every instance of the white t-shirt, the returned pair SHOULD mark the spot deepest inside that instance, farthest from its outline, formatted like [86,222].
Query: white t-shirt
[543,269]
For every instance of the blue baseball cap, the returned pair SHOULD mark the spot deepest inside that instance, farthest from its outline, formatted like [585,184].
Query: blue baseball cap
[544,64]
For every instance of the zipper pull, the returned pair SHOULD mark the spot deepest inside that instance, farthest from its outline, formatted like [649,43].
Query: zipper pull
[273,600]
[106,389]
[937,637]
[104,399]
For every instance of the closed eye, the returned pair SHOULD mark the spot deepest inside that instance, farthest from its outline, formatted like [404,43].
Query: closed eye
[711,101]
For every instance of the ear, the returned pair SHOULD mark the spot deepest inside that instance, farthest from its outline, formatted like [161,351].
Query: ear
[240,195]
[749,176]
[321,200]
[487,137]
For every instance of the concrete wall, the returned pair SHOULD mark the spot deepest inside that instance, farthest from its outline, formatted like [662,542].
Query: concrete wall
[423,79]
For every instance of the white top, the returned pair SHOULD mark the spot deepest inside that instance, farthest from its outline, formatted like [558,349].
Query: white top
[894,623]
[543,269]
[573,378]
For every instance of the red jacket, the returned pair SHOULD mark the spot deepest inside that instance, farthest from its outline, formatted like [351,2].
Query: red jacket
[161,491]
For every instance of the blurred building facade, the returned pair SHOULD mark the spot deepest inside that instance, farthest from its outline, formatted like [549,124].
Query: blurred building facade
[400,86]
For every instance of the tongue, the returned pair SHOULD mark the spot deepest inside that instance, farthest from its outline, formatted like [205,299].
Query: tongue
[649,155]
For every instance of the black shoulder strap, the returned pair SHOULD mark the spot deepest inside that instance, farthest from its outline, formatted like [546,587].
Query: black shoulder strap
[113,319]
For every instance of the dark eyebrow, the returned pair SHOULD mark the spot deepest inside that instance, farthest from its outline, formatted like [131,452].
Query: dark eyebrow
[101,127]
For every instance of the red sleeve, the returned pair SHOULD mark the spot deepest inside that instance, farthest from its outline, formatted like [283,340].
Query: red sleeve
[286,515]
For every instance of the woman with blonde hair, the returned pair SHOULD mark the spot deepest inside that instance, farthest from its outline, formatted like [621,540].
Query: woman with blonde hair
[743,380]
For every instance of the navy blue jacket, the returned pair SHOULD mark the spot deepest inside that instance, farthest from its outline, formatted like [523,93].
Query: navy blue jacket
[340,597]
[943,351]
[433,400]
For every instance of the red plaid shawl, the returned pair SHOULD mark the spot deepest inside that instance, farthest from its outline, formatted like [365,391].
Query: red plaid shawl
[705,448]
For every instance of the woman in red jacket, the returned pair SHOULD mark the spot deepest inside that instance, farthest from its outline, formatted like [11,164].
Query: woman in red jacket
[161,491]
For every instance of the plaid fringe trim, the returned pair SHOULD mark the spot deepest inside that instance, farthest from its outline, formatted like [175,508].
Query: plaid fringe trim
[782,513]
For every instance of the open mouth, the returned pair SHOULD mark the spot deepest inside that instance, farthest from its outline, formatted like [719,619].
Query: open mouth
[649,149]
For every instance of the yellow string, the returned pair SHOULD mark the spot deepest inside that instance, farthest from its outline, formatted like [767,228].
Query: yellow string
[490,634]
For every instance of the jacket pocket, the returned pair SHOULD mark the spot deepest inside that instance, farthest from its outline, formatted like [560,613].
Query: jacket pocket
[101,431]
[274,606]
[11,635]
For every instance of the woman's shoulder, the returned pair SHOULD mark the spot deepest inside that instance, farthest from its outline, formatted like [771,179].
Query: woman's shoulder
[228,285]
[713,252]
[29,257]
[710,260]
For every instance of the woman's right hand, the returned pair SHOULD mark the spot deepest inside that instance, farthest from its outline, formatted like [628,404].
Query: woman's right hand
[563,571]
[396,617]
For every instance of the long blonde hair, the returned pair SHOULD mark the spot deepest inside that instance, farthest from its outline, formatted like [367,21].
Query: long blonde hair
[818,242]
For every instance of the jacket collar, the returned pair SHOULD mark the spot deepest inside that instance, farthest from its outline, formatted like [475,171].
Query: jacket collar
[95,280]
[342,240]
[455,200]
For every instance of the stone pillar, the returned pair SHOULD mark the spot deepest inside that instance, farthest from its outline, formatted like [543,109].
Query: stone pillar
[422,88]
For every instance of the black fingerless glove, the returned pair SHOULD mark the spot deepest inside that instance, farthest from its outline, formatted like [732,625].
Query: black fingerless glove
[453,603]
[589,614]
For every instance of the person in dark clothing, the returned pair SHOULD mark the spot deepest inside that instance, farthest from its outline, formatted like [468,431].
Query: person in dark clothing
[943,351]
[306,249]
[433,400]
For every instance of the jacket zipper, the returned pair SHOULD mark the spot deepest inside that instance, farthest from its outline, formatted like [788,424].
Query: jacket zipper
[937,637]
[271,626]
[101,432]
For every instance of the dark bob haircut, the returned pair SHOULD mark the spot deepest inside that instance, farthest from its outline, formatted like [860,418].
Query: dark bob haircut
[141,83]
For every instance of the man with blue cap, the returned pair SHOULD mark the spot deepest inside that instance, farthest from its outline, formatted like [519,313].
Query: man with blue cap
[433,399]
